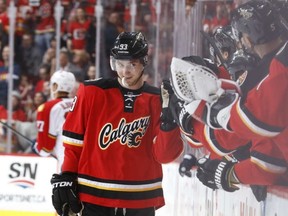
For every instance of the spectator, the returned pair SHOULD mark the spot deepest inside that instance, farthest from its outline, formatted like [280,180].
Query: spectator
[4,16]
[91,74]
[39,98]
[44,75]
[91,40]
[111,31]
[18,112]
[77,31]
[45,24]
[25,89]
[4,71]
[49,57]
[80,65]
[221,18]
[46,89]
[29,56]
[64,60]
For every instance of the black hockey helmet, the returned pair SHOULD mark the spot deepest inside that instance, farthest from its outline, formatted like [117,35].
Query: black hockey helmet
[223,37]
[130,45]
[241,62]
[257,19]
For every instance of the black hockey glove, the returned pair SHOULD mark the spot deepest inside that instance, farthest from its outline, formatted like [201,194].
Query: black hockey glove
[259,191]
[167,121]
[64,193]
[217,174]
[242,152]
[180,114]
[186,165]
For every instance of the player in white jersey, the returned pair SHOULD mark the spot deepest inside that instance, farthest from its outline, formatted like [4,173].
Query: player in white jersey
[51,116]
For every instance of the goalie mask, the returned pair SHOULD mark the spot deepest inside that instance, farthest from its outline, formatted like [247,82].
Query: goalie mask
[127,46]
[258,20]
[65,82]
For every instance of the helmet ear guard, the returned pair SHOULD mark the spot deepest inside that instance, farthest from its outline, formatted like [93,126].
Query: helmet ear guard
[112,63]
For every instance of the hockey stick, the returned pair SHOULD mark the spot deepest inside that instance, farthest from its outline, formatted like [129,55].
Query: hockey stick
[16,132]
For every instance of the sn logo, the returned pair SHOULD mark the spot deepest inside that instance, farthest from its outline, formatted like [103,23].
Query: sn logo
[23,170]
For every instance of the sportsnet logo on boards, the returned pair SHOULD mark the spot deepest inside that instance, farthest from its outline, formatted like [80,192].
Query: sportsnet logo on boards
[129,134]
[23,174]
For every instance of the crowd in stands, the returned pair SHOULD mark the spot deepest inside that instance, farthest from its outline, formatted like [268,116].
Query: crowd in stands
[35,45]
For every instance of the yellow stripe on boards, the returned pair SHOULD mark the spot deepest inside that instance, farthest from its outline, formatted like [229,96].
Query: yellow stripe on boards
[17,213]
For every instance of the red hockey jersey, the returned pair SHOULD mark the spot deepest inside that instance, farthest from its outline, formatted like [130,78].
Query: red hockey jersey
[260,118]
[113,140]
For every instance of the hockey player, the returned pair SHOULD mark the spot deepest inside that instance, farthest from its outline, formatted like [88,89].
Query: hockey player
[115,140]
[51,116]
[261,116]
[230,60]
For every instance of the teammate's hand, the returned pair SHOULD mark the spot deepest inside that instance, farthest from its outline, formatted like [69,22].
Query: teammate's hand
[167,121]
[217,174]
[180,115]
[216,114]
[186,165]
[64,193]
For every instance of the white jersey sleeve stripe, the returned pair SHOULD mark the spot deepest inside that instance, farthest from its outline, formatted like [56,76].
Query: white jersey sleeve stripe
[252,126]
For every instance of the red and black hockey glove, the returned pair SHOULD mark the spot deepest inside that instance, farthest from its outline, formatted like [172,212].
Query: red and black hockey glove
[65,194]
[217,174]
[186,165]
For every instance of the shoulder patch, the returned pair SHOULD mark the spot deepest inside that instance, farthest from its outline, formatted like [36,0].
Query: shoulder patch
[242,78]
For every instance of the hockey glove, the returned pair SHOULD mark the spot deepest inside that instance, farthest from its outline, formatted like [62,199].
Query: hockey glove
[216,114]
[259,191]
[64,193]
[217,174]
[180,115]
[186,165]
[202,61]
[167,121]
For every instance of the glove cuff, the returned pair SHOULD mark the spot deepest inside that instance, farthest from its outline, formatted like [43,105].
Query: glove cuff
[225,177]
